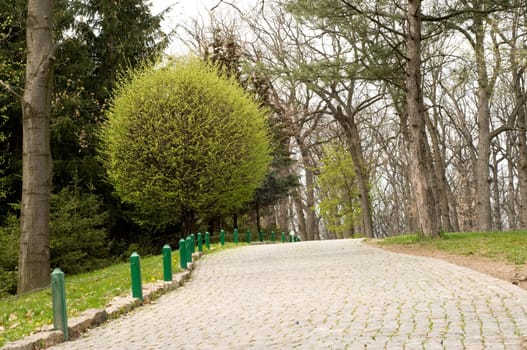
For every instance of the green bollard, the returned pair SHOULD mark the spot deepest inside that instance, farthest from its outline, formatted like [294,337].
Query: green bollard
[291,235]
[200,243]
[135,269]
[222,237]
[261,236]
[193,242]
[207,240]
[189,249]
[248,236]
[167,263]
[235,235]
[182,253]
[272,236]
[283,237]
[58,290]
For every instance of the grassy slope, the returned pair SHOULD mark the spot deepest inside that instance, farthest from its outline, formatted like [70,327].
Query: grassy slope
[510,247]
[20,316]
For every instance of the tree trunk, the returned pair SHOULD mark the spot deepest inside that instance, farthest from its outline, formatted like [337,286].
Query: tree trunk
[521,120]
[496,192]
[234,221]
[419,152]
[188,222]
[301,218]
[311,218]
[282,221]
[522,167]
[34,259]
[481,170]
[433,121]
[310,231]
[361,172]
[406,195]
[454,218]
[257,213]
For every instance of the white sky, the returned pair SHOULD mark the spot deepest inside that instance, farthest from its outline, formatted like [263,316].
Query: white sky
[183,11]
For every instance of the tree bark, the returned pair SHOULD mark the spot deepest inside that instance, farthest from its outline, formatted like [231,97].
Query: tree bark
[282,220]
[419,149]
[522,167]
[189,218]
[361,171]
[434,123]
[301,218]
[498,220]
[481,170]
[257,213]
[521,120]
[34,259]
[311,231]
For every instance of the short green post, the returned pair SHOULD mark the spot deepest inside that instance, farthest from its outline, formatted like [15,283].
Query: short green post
[189,249]
[272,236]
[135,269]
[58,291]
[200,243]
[207,240]
[183,253]
[193,242]
[291,235]
[261,236]
[222,237]
[248,236]
[283,237]
[167,263]
[235,236]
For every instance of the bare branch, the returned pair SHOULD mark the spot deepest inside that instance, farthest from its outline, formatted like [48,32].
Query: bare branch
[226,3]
[9,89]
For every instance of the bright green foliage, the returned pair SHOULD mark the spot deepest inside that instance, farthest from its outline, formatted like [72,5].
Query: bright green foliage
[181,141]
[339,205]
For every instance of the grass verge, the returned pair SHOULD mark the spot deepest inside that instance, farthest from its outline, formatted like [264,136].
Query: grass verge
[23,315]
[509,247]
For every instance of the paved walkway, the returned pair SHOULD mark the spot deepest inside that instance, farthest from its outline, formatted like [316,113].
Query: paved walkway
[323,295]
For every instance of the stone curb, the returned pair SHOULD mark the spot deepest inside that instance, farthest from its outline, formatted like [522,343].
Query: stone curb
[118,306]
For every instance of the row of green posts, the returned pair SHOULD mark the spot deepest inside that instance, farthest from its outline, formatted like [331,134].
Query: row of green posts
[187,248]
[261,237]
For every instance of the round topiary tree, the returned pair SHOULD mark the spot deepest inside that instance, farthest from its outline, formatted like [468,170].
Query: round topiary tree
[181,142]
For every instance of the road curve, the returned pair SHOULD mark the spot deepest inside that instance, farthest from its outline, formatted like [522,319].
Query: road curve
[323,295]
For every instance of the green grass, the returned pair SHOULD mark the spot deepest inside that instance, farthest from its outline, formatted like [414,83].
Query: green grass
[20,316]
[509,247]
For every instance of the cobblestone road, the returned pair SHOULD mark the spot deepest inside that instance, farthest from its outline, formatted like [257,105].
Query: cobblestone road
[323,295]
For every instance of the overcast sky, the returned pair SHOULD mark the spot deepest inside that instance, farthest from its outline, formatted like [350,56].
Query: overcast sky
[183,11]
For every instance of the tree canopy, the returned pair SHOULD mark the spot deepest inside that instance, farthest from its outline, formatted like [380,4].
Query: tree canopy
[181,141]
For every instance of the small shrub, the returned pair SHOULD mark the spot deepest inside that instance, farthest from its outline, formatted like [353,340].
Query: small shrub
[78,235]
[9,235]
